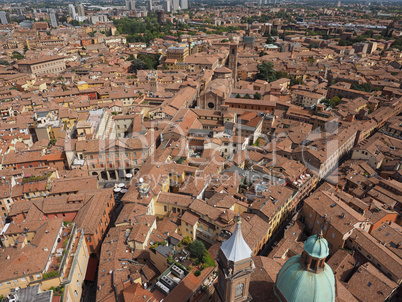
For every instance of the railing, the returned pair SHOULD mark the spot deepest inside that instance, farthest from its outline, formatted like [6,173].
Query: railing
[68,248]
[205,235]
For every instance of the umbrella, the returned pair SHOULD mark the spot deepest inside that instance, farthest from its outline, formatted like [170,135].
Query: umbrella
[129,175]
[121,185]
[117,190]
[124,191]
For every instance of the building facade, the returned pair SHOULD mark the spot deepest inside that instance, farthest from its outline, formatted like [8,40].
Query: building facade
[53,64]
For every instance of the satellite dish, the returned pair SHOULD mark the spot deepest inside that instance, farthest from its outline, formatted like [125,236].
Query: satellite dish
[141,180]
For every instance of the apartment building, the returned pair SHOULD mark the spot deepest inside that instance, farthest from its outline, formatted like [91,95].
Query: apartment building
[44,253]
[306,98]
[324,211]
[343,89]
[113,159]
[50,64]
[99,205]
[323,155]
[177,53]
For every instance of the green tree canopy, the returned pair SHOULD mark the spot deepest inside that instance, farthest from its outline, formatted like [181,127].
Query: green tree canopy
[16,55]
[197,249]
[143,61]
[267,72]
[335,101]
[362,87]
[136,65]
[270,40]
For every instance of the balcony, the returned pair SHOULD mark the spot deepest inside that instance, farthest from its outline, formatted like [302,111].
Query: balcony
[205,235]
[78,162]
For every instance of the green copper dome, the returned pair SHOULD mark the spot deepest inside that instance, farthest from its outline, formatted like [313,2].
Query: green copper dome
[310,281]
[296,284]
[316,247]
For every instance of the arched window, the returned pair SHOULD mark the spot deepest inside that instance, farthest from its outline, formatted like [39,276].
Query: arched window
[239,289]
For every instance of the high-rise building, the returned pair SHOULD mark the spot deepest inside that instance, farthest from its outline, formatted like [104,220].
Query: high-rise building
[98,18]
[71,11]
[150,5]
[4,17]
[184,4]
[19,11]
[175,5]
[161,17]
[168,6]
[80,10]
[53,19]
[130,4]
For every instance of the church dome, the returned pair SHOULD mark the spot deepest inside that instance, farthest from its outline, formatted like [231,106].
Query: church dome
[316,247]
[295,284]
[306,277]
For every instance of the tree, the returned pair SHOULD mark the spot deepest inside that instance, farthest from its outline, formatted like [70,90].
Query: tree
[335,101]
[207,260]
[326,102]
[142,62]
[238,96]
[75,23]
[281,74]
[247,96]
[186,240]
[295,81]
[151,61]
[270,40]
[197,249]
[262,53]
[130,58]
[16,55]
[397,43]
[257,96]
[362,87]
[136,65]
[266,72]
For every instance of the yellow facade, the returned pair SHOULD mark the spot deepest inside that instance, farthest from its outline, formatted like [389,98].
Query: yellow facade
[76,275]
[82,85]
[186,229]
[142,245]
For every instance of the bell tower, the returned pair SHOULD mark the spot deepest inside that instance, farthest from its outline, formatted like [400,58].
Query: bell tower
[235,268]
[233,59]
